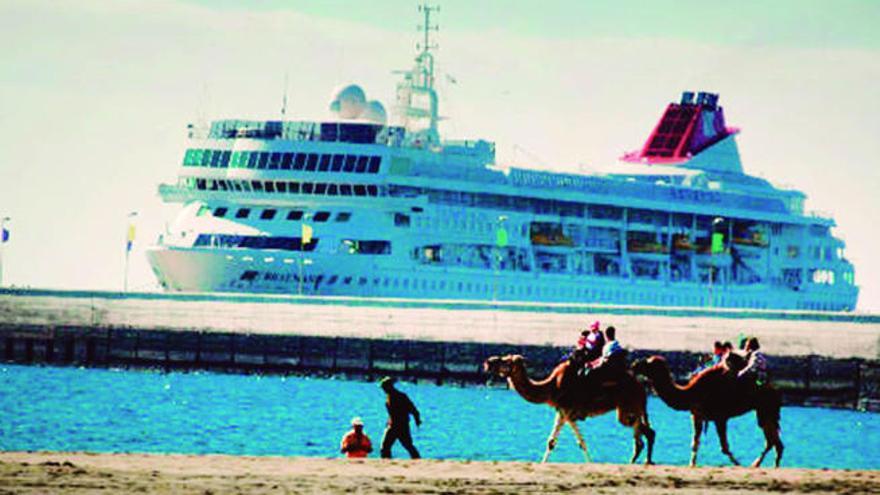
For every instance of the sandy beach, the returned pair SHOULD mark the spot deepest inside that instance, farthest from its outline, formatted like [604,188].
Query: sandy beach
[75,473]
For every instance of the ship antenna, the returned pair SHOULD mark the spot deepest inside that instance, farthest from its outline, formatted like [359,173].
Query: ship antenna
[426,46]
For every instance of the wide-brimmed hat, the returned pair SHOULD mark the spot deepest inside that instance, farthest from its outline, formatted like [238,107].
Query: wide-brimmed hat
[357,421]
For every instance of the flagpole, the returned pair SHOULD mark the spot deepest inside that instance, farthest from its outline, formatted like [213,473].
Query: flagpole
[129,241]
[2,244]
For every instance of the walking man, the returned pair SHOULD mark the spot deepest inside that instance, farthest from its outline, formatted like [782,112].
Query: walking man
[399,408]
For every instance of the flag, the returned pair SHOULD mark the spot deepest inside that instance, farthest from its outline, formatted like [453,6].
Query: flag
[717,242]
[306,234]
[130,239]
[4,237]
[501,237]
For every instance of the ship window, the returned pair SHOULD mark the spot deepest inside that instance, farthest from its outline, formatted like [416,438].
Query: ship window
[372,190]
[312,163]
[360,190]
[362,164]
[252,159]
[245,185]
[188,157]
[281,186]
[256,185]
[235,160]
[332,280]
[274,160]
[224,160]
[346,281]
[333,190]
[243,213]
[270,186]
[294,215]
[264,160]
[223,185]
[350,161]
[374,164]
[200,184]
[345,190]
[206,158]
[286,158]
[337,162]
[307,187]
[293,187]
[248,276]
[321,216]
[220,212]
[320,188]
[325,163]
[343,216]
[401,220]
[236,185]
[300,161]
[268,214]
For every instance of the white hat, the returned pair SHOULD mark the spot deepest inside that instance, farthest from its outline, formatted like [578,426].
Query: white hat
[356,421]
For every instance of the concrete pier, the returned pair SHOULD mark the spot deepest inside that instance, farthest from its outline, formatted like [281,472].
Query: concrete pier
[817,359]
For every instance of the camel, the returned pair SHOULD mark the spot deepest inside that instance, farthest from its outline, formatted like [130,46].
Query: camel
[564,391]
[716,395]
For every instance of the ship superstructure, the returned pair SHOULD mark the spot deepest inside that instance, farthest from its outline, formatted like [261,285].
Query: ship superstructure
[358,207]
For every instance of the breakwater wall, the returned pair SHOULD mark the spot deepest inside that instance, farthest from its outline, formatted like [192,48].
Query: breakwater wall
[804,380]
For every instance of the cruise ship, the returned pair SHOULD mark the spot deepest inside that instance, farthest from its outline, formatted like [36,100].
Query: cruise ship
[358,206]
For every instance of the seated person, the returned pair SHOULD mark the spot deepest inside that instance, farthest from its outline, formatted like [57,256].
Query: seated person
[594,343]
[715,359]
[756,363]
[612,362]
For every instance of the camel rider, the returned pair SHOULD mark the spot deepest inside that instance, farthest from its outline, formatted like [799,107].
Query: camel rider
[356,443]
[756,363]
[594,343]
[612,363]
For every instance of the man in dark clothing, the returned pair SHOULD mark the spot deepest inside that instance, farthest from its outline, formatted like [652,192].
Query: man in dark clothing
[399,408]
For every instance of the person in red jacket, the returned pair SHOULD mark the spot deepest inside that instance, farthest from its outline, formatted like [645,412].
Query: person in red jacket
[356,443]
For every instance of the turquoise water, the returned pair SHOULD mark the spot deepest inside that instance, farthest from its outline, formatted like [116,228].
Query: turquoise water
[66,409]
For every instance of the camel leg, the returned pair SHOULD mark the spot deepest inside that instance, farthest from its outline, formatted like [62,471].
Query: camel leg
[771,438]
[580,439]
[721,428]
[554,434]
[643,429]
[695,444]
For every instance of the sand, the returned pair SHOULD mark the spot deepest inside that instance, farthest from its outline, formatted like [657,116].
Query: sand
[76,473]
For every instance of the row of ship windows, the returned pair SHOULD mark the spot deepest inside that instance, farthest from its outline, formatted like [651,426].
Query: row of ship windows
[292,215]
[279,186]
[611,296]
[276,160]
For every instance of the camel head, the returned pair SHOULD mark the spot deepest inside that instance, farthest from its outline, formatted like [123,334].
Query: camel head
[650,367]
[503,366]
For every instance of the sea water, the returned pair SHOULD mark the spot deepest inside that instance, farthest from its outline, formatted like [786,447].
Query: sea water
[76,409]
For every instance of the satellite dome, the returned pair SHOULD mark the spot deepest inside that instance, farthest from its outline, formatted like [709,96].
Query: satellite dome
[349,102]
[375,113]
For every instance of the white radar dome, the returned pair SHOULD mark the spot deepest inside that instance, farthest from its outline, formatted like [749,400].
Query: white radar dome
[349,102]
[375,113]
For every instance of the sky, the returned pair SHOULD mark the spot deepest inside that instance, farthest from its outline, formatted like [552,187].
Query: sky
[95,97]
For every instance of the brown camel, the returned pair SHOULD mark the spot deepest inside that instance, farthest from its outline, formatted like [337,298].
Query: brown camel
[716,395]
[575,401]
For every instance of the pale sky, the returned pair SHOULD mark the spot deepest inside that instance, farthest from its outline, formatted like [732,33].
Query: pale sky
[95,97]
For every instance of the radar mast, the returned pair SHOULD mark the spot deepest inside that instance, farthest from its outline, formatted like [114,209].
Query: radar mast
[416,105]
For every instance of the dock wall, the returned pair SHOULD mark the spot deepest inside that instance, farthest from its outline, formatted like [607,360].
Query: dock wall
[815,358]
